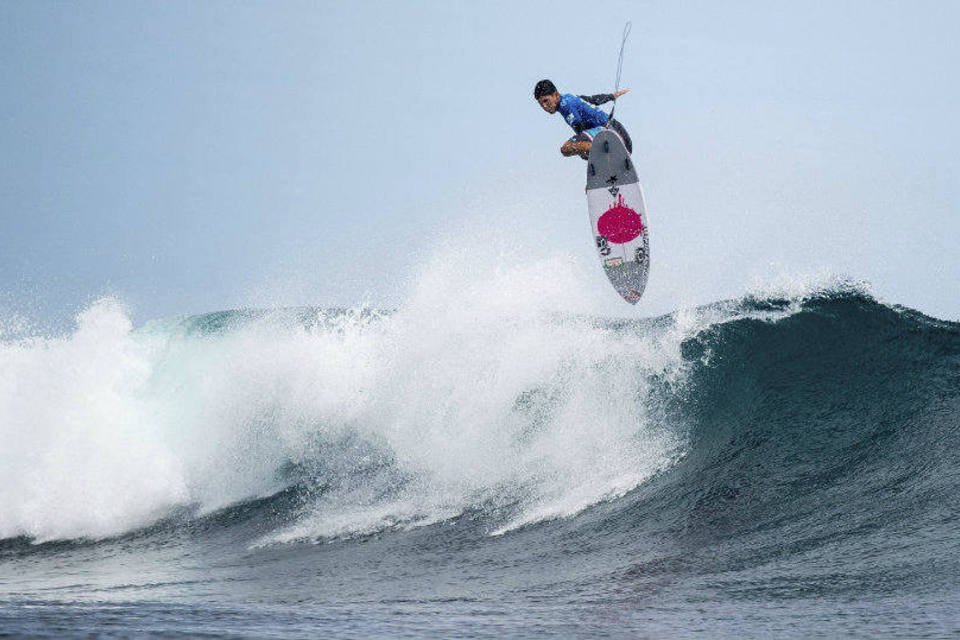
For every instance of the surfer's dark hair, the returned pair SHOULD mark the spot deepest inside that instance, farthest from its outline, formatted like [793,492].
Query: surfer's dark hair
[544,88]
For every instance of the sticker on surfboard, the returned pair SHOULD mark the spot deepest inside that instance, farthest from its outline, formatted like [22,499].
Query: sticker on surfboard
[618,216]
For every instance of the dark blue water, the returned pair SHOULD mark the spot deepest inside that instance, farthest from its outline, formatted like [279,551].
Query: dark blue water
[804,481]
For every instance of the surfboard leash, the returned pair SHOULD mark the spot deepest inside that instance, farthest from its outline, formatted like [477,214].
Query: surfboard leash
[623,42]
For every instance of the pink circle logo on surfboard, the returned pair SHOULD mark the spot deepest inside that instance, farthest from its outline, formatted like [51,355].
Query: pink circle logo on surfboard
[620,224]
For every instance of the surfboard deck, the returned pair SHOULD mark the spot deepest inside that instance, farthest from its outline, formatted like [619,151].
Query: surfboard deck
[618,217]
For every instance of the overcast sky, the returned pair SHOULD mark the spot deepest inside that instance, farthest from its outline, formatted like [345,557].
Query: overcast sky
[199,156]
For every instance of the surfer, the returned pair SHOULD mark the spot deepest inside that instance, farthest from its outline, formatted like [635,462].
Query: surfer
[581,114]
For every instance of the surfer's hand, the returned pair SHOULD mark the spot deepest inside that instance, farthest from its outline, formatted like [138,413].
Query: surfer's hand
[620,93]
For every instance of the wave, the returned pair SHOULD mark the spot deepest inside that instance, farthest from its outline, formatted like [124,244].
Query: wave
[734,418]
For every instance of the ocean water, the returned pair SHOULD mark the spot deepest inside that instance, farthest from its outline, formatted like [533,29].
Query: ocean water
[772,466]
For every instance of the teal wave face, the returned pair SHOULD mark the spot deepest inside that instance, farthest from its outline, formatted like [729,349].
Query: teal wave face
[823,455]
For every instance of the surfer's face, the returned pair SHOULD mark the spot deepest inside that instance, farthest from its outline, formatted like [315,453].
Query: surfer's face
[550,102]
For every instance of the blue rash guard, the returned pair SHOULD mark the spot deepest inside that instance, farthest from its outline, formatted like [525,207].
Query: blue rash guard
[579,114]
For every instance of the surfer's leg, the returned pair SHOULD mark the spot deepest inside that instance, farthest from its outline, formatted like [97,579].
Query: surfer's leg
[579,145]
[576,148]
[622,132]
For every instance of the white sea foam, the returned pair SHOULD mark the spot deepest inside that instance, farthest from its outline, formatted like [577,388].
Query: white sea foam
[489,389]
[80,455]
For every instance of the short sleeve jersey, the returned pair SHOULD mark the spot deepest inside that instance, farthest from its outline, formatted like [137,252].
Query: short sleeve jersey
[579,114]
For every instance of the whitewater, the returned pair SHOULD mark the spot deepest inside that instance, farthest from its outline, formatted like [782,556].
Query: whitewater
[483,462]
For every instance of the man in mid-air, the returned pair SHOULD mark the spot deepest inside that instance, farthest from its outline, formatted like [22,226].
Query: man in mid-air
[586,120]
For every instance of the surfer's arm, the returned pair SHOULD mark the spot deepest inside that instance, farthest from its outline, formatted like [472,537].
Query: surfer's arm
[603,98]
[597,100]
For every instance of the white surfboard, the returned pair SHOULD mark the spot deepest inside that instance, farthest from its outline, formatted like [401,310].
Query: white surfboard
[618,216]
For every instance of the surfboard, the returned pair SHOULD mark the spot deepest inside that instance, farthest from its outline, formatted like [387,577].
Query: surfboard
[618,216]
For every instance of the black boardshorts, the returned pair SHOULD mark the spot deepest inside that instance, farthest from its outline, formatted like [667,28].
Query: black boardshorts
[587,134]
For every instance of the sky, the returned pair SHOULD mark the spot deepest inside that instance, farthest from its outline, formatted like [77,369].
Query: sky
[186,157]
